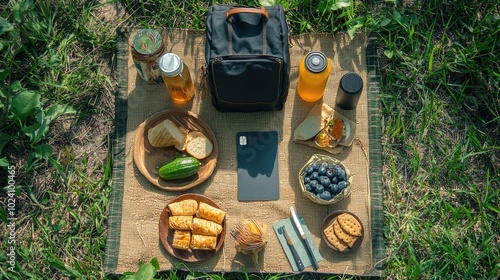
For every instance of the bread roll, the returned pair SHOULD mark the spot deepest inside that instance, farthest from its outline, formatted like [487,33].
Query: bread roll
[210,213]
[203,242]
[184,207]
[165,134]
[206,227]
[180,222]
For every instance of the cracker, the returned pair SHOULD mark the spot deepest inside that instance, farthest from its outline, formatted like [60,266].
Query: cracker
[333,239]
[350,224]
[342,235]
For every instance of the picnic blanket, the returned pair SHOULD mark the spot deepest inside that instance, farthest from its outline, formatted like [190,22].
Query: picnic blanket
[136,205]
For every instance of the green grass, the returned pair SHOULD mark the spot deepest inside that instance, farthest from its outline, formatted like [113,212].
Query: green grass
[440,87]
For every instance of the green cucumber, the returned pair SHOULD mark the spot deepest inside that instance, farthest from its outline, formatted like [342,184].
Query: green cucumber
[179,168]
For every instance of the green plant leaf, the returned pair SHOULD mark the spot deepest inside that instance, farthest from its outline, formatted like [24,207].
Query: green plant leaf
[44,118]
[146,272]
[57,110]
[4,139]
[389,53]
[268,2]
[155,263]
[43,151]
[3,74]
[4,162]
[24,104]
[5,26]
[16,86]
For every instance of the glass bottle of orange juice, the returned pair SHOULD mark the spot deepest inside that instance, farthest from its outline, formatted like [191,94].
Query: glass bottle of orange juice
[177,78]
[314,70]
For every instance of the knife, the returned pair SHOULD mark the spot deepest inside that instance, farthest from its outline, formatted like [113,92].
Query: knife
[303,236]
[300,265]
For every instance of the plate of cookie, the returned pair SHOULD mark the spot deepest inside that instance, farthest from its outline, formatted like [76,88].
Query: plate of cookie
[343,231]
[171,134]
[192,227]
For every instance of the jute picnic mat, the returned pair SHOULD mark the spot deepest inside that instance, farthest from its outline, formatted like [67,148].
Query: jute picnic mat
[136,205]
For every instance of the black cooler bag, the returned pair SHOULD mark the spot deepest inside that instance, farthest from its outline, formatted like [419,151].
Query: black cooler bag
[247,57]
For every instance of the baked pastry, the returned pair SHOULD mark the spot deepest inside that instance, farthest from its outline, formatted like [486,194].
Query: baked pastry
[181,239]
[184,207]
[165,134]
[196,144]
[180,222]
[206,227]
[211,213]
[203,242]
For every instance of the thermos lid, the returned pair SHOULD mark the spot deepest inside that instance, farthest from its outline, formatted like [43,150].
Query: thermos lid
[147,41]
[170,64]
[316,62]
[351,83]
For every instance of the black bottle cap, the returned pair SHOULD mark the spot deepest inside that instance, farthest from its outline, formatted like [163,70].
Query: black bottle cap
[351,83]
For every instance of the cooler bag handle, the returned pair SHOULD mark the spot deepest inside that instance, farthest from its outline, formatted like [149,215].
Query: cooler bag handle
[260,11]
[238,10]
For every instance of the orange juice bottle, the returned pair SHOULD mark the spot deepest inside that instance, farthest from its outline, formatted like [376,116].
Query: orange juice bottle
[177,78]
[314,70]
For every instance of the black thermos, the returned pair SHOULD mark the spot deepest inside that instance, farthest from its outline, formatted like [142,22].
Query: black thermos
[349,91]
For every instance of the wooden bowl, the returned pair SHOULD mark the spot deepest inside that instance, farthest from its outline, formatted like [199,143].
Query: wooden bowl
[166,234]
[149,159]
[330,219]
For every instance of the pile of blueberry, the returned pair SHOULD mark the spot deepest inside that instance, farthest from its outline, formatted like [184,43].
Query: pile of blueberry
[325,180]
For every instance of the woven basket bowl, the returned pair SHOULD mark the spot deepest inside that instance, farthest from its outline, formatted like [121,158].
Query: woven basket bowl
[319,158]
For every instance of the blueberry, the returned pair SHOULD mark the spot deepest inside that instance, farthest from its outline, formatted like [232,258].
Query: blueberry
[308,187]
[329,173]
[334,179]
[315,166]
[307,180]
[341,174]
[322,170]
[320,188]
[314,176]
[334,188]
[324,181]
[342,185]
[313,184]
[309,170]
[324,164]
[325,195]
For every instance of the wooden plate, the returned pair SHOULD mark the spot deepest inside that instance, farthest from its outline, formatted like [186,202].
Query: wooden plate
[166,234]
[149,159]
[330,219]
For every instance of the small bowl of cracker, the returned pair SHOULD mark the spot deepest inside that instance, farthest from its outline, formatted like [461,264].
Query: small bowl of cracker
[343,231]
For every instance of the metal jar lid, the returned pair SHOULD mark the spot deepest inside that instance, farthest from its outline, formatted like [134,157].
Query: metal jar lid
[147,41]
[316,62]
[170,64]
[351,83]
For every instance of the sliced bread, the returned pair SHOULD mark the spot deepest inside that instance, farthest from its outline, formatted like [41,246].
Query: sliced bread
[197,145]
[165,134]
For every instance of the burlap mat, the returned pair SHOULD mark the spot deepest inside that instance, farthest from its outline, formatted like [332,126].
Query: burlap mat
[136,205]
